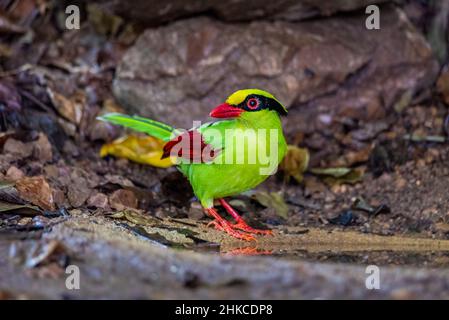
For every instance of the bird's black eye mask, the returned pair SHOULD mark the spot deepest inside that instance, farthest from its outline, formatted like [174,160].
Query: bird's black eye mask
[257,102]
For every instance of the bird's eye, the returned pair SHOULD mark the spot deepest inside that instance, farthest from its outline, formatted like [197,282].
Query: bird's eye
[252,103]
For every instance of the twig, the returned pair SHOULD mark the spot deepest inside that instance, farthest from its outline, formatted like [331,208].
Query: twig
[12,72]
[36,101]
[417,138]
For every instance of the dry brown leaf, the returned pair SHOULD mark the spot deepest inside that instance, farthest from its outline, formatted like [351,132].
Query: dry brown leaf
[69,108]
[37,191]
[353,157]
[122,199]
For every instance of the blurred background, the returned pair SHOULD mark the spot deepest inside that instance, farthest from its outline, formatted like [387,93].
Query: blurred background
[367,131]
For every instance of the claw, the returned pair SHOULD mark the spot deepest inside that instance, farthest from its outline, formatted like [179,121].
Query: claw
[222,225]
[240,223]
[215,224]
[229,229]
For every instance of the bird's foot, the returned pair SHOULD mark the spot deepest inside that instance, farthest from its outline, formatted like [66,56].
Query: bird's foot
[229,229]
[242,225]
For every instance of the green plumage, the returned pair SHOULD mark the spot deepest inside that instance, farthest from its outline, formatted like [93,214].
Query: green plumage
[148,126]
[219,178]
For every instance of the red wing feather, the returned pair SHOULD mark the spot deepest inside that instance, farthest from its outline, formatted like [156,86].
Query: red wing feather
[191,146]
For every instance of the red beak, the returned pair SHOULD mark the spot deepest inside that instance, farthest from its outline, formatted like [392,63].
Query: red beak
[225,111]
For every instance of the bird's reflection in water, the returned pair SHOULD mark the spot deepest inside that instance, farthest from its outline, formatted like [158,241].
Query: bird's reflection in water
[248,251]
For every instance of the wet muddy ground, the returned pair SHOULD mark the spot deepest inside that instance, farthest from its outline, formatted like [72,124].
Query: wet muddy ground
[115,263]
[135,256]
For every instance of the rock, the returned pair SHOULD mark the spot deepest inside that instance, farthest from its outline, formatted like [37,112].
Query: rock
[59,198]
[9,96]
[313,185]
[122,199]
[78,194]
[17,148]
[71,149]
[14,174]
[59,173]
[155,12]
[400,183]
[42,149]
[331,67]
[51,171]
[118,180]
[37,191]
[105,131]
[78,189]
[98,200]
[403,294]
[34,168]
[196,211]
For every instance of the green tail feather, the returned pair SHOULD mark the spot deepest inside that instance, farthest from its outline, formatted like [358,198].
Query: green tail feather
[150,127]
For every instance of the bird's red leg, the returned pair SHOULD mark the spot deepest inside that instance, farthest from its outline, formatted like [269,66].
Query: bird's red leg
[223,225]
[240,223]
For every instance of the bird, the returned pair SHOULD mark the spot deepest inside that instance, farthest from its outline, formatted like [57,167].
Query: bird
[226,157]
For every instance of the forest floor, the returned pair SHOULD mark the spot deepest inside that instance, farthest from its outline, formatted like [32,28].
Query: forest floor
[320,251]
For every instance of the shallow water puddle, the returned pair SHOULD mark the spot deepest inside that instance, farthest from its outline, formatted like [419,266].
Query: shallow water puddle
[292,243]
[417,258]
[340,246]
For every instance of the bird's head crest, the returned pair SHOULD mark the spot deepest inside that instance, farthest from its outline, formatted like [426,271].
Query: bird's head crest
[248,100]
